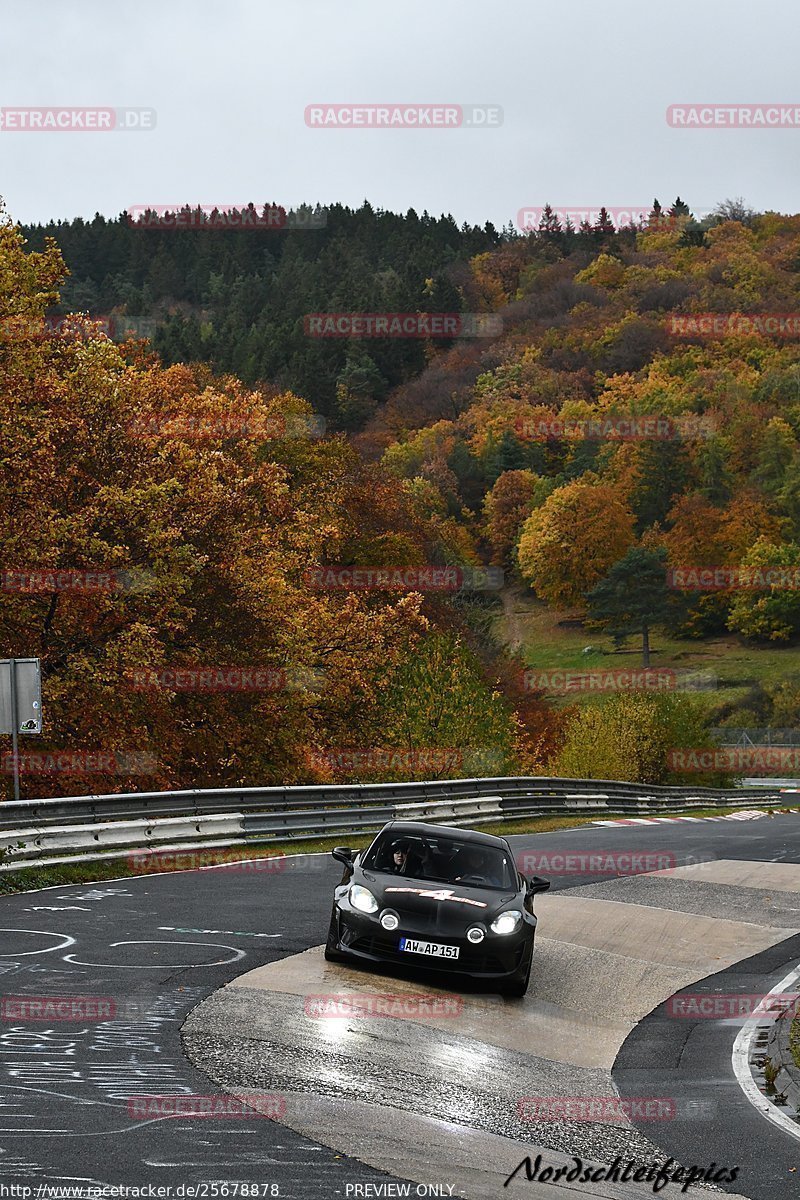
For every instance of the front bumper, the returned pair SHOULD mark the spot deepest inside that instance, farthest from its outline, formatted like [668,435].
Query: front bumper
[496,957]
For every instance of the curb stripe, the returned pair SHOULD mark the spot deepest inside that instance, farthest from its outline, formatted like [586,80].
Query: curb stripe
[738,816]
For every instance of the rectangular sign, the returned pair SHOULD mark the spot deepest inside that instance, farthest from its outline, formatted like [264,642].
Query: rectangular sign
[29,696]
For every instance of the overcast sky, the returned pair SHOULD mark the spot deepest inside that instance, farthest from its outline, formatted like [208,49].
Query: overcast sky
[584,88]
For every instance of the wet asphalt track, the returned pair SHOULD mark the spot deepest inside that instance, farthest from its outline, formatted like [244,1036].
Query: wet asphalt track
[158,945]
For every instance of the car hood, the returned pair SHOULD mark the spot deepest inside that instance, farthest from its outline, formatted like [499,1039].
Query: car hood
[447,901]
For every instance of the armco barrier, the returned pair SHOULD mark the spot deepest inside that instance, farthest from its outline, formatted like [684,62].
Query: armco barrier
[91,828]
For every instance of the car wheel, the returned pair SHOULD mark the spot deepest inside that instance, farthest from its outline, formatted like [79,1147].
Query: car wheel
[517,985]
[332,951]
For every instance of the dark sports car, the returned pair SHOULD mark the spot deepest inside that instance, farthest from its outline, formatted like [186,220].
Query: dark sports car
[442,898]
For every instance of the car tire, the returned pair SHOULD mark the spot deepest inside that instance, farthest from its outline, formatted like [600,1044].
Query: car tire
[517,985]
[332,951]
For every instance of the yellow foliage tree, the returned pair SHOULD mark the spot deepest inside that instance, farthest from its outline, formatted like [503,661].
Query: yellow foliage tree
[569,544]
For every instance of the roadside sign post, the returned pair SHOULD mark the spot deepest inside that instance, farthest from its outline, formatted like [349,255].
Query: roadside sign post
[12,689]
[20,704]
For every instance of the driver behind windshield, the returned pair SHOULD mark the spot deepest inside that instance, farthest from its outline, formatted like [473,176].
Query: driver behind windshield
[476,867]
[470,865]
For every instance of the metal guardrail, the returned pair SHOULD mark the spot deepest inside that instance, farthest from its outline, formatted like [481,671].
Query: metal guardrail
[92,828]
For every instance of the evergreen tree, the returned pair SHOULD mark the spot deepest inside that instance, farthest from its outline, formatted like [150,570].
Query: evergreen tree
[655,218]
[549,227]
[511,455]
[778,448]
[604,226]
[716,480]
[633,597]
[470,473]
[789,496]
[663,471]
[585,236]
[359,388]
[680,208]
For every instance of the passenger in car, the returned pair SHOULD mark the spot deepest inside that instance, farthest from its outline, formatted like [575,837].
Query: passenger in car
[399,861]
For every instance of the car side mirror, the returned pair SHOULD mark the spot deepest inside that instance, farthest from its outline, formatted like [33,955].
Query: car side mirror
[537,884]
[344,855]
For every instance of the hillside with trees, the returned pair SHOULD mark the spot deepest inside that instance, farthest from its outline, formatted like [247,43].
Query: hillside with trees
[181,487]
[603,445]
[237,298]
[639,418]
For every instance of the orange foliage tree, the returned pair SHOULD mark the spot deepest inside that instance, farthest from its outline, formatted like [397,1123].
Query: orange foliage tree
[569,544]
[201,507]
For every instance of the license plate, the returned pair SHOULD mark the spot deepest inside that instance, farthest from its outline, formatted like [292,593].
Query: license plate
[430,949]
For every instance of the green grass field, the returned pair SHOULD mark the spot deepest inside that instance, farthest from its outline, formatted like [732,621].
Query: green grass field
[546,640]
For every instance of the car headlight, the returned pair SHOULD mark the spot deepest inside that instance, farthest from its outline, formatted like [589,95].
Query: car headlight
[363,899]
[507,922]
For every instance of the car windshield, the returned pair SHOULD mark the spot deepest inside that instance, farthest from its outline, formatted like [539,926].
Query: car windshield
[441,860]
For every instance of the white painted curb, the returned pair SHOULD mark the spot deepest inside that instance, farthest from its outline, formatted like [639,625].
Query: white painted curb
[741,1066]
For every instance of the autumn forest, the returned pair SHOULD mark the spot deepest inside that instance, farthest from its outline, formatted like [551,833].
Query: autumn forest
[317,559]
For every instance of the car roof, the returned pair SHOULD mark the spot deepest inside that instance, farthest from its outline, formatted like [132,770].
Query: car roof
[420,828]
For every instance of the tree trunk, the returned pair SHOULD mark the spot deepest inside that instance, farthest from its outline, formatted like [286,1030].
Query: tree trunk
[645,646]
